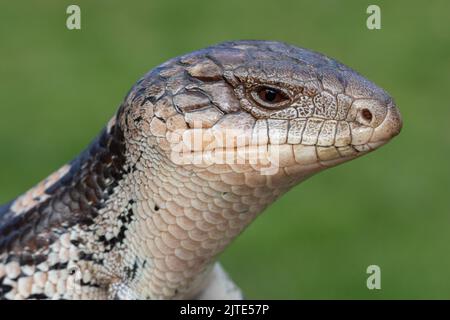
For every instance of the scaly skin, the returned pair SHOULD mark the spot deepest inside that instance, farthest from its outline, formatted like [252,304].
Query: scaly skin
[200,147]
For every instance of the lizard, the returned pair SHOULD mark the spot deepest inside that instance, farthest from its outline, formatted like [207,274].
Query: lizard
[198,148]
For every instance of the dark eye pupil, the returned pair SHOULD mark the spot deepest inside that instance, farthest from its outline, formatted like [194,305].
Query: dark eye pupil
[270,95]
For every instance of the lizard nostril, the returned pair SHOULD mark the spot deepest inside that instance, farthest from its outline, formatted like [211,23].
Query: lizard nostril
[367,115]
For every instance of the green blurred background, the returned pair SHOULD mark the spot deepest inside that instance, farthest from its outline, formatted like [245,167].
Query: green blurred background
[389,208]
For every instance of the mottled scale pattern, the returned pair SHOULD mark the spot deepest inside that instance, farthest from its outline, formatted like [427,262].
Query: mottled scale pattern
[200,146]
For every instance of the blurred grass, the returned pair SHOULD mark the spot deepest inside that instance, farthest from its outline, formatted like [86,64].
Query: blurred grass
[390,208]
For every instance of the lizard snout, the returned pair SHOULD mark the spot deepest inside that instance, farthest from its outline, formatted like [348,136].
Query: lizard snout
[390,127]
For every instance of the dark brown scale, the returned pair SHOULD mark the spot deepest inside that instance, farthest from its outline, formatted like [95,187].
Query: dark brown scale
[100,182]
[5,210]
[59,266]
[4,288]
[37,296]
[26,259]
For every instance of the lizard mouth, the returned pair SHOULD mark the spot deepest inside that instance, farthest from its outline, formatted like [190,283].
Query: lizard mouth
[274,156]
[200,147]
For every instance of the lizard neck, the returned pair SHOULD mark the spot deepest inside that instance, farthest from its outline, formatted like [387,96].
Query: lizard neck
[182,217]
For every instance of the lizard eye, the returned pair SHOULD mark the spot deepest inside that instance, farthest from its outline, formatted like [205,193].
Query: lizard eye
[270,97]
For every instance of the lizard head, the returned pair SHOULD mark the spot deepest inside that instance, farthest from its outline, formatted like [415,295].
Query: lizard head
[214,137]
[282,110]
